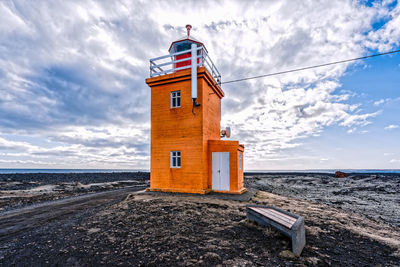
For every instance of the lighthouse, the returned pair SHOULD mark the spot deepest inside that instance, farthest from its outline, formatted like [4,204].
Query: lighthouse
[188,154]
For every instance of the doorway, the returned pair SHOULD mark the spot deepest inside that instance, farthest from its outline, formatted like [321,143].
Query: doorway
[220,171]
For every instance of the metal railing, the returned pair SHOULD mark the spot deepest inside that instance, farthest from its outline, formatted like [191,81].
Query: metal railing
[167,64]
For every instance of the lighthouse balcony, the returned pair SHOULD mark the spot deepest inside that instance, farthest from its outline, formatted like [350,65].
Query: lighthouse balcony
[178,61]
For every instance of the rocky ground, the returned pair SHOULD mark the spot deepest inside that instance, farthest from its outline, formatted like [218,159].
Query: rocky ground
[376,196]
[171,230]
[17,190]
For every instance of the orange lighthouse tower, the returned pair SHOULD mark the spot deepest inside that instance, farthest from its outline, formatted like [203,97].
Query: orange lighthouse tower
[187,153]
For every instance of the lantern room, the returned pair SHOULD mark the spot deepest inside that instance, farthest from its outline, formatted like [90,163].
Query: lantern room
[187,154]
[178,48]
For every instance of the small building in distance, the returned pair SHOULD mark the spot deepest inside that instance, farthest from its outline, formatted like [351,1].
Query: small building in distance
[187,153]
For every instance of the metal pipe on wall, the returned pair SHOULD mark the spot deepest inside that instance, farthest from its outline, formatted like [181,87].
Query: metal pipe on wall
[194,72]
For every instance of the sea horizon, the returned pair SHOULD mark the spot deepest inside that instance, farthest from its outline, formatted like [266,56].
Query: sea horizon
[329,171]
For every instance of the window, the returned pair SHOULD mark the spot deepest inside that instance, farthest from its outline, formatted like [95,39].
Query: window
[175,159]
[185,45]
[182,46]
[240,161]
[175,99]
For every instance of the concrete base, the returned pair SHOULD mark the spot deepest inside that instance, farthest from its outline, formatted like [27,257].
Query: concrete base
[245,197]
[195,191]
[179,190]
[239,192]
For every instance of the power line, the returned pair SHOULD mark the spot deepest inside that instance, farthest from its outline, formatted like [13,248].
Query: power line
[310,67]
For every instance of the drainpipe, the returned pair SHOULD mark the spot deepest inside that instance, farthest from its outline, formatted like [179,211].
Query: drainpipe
[194,75]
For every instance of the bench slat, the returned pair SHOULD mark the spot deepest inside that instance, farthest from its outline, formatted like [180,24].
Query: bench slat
[285,221]
[277,213]
[277,219]
[287,217]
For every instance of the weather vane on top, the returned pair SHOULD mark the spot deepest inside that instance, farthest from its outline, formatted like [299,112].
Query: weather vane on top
[188,27]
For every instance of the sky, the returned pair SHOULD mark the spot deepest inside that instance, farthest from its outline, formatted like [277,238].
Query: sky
[73,91]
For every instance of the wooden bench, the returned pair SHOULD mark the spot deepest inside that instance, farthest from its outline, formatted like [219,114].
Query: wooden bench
[290,224]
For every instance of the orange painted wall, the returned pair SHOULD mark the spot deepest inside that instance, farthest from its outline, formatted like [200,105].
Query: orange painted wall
[234,149]
[180,129]
[211,122]
[240,170]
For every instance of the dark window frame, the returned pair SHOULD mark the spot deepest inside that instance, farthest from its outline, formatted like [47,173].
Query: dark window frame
[175,159]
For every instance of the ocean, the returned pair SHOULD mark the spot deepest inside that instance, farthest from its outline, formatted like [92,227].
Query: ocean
[397,171]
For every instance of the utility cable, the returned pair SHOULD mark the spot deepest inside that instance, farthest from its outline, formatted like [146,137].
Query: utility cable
[310,67]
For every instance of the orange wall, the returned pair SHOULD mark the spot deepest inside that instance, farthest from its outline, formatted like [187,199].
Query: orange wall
[236,175]
[240,171]
[211,123]
[180,129]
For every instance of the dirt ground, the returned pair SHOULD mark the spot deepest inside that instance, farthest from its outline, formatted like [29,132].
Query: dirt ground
[18,190]
[180,230]
[175,230]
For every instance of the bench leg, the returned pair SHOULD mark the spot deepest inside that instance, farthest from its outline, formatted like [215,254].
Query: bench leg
[298,239]
[256,219]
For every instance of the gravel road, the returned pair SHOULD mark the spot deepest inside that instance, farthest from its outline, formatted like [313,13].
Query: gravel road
[16,225]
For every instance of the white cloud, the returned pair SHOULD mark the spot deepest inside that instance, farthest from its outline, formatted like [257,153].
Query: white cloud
[18,146]
[72,73]
[389,35]
[352,130]
[391,127]
[10,21]
[386,101]
[379,102]
[388,154]
[104,147]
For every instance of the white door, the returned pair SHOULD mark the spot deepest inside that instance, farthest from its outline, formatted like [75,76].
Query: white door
[220,171]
